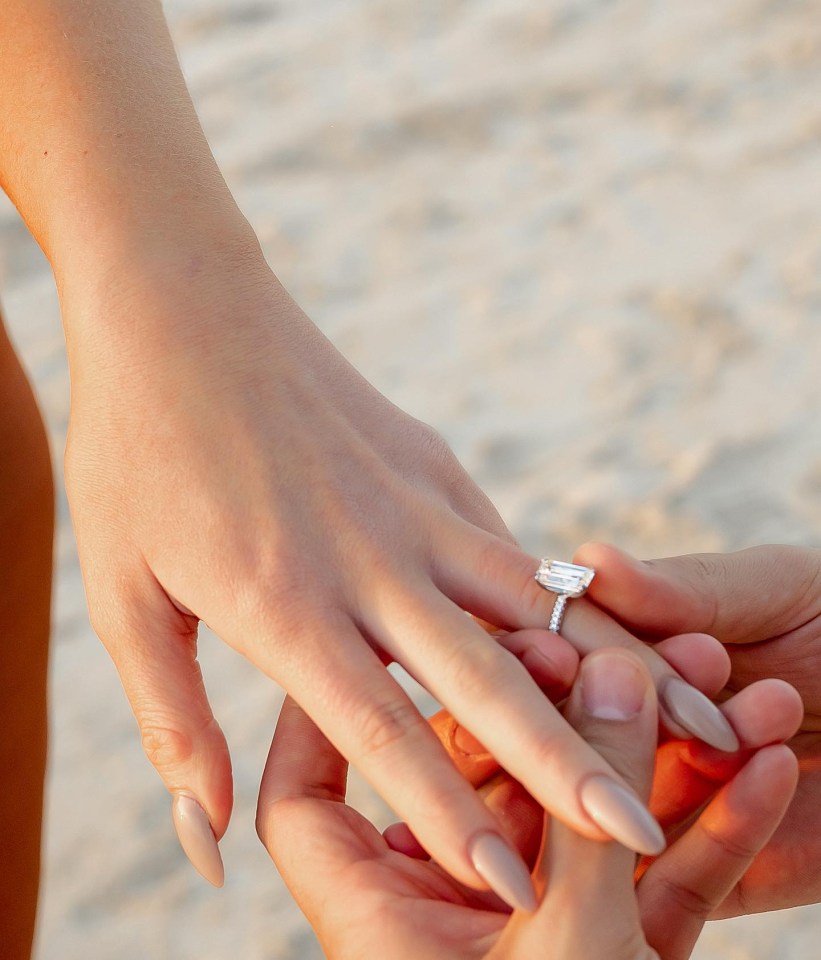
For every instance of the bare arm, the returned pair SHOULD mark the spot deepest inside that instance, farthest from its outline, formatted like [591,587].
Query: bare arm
[100,144]
[226,464]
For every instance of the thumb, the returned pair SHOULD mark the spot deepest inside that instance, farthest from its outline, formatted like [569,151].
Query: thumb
[154,648]
[589,907]
[742,597]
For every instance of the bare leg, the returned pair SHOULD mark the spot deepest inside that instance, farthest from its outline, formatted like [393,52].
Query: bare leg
[26,532]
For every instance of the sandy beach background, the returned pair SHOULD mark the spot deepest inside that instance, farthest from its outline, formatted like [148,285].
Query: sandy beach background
[496,209]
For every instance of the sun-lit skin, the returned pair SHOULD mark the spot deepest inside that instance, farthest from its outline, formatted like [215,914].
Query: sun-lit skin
[367,895]
[764,603]
[350,536]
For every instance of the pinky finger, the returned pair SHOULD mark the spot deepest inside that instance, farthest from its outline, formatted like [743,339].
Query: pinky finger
[692,878]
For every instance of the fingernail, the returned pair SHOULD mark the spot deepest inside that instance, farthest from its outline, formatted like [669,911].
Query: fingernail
[504,871]
[620,813]
[613,687]
[698,714]
[197,839]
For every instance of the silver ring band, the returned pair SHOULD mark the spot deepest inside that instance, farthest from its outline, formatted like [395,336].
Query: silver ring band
[567,580]
[558,613]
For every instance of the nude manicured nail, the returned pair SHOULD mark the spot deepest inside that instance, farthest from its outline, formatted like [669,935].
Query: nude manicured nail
[504,871]
[197,839]
[698,714]
[621,814]
[613,687]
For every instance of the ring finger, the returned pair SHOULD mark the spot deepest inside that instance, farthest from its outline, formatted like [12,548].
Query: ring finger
[496,581]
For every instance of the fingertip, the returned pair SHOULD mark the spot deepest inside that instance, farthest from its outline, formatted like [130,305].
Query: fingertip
[638,593]
[599,552]
[400,838]
[550,659]
[777,764]
[765,712]
[789,699]
[614,567]
[700,659]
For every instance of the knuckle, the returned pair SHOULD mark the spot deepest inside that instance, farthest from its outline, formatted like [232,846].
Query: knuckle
[269,818]
[547,753]
[809,572]
[274,823]
[99,620]
[261,823]
[266,823]
[728,846]
[482,670]
[434,454]
[436,803]
[282,617]
[744,903]
[431,443]
[387,726]
[165,747]
[532,602]
[689,900]
[114,608]
[706,582]
[103,613]
[490,561]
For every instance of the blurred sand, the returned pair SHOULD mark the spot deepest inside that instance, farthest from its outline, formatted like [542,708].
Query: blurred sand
[493,207]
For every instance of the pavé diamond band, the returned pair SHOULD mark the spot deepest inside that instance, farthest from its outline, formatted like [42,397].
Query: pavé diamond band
[567,580]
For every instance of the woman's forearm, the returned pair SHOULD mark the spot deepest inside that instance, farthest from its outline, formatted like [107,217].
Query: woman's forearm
[100,145]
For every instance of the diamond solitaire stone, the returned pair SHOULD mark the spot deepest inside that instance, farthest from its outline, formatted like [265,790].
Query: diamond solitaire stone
[568,579]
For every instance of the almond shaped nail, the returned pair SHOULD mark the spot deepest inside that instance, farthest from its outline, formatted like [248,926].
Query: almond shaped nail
[698,714]
[504,871]
[620,813]
[197,839]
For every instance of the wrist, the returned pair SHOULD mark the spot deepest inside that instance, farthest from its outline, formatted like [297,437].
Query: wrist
[156,239]
[157,285]
[101,225]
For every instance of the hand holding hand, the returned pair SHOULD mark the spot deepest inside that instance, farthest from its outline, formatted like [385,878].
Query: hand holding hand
[365,898]
[764,603]
[226,464]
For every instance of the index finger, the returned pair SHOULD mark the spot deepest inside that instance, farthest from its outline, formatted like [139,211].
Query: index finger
[741,597]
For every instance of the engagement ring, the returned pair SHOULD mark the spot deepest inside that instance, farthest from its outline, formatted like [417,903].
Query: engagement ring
[568,580]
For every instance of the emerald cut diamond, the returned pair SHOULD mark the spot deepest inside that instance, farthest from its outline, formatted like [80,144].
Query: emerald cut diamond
[568,579]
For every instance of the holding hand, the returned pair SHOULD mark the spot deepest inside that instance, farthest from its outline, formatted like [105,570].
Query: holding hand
[764,603]
[226,464]
[366,899]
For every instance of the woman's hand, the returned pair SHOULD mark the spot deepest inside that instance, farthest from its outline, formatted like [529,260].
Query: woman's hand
[765,604]
[366,899]
[226,464]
